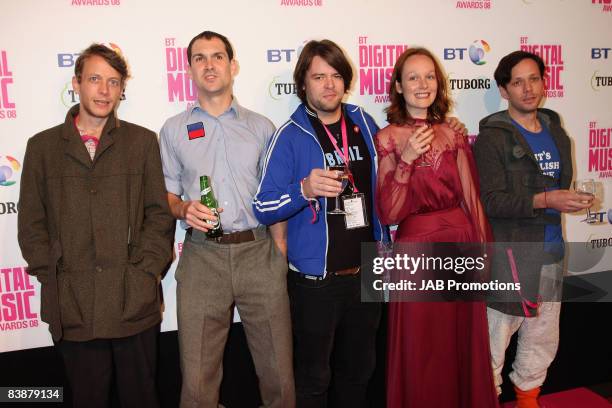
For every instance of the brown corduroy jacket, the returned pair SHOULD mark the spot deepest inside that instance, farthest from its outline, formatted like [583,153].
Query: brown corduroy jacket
[97,234]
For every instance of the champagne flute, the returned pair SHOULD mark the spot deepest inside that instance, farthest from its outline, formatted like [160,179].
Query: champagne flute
[586,187]
[343,177]
[421,161]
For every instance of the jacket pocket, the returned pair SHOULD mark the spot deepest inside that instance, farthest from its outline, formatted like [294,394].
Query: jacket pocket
[140,294]
[533,183]
[70,312]
[45,303]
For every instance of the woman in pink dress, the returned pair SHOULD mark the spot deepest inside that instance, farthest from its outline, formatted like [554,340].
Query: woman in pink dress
[438,352]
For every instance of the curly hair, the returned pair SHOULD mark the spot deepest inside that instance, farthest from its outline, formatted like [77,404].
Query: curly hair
[112,57]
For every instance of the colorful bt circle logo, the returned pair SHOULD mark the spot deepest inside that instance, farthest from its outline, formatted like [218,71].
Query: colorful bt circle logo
[9,167]
[113,47]
[477,51]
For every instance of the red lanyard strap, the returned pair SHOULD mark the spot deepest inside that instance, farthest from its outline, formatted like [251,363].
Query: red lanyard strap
[524,302]
[344,154]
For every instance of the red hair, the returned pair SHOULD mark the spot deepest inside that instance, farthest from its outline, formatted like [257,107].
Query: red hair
[436,113]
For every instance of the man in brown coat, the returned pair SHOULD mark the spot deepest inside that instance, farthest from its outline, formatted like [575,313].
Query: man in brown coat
[95,229]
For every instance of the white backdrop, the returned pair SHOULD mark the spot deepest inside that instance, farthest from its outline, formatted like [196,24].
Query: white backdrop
[39,41]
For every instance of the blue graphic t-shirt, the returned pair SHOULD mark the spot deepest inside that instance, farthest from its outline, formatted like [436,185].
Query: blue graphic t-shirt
[547,155]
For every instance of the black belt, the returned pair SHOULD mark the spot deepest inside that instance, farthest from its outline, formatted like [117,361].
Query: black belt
[347,271]
[342,272]
[237,237]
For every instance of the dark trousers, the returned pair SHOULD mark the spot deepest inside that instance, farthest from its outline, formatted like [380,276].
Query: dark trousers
[334,337]
[90,366]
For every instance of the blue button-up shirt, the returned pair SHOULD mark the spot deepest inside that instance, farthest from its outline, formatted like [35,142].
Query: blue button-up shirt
[231,153]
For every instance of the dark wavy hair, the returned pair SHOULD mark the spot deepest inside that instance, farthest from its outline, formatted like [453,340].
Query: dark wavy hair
[331,53]
[113,58]
[503,72]
[396,112]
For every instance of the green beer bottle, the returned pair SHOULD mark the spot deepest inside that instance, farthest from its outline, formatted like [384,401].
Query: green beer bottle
[207,197]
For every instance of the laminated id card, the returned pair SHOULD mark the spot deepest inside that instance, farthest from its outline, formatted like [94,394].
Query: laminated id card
[354,206]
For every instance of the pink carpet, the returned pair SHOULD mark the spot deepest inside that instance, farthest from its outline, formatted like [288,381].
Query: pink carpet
[576,398]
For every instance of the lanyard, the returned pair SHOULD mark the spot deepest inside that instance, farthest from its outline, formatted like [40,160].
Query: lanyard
[345,154]
[524,302]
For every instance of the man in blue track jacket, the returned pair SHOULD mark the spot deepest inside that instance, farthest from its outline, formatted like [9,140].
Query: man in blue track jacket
[328,316]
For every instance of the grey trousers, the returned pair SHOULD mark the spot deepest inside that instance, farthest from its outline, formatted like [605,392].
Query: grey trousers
[211,278]
[538,339]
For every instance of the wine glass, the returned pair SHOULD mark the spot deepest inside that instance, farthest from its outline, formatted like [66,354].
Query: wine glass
[586,187]
[343,177]
[421,161]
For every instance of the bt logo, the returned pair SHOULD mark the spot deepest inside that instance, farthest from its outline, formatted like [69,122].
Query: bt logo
[478,49]
[602,216]
[67,60]
[284,54]
[600,53]
[9,168]
[476,52]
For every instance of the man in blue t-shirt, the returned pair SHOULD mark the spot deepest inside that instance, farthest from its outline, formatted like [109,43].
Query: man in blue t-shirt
[524,160]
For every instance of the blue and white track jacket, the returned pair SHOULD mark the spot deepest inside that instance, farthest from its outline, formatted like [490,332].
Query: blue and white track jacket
[293,152]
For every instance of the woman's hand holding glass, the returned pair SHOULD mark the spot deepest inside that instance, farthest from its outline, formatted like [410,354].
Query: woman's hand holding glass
[417,145]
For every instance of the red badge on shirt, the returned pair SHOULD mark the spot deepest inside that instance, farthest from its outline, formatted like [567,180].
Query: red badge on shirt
[195,130]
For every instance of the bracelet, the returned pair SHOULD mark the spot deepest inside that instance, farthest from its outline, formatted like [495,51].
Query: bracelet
[404,163]
[313,203]
[302,188]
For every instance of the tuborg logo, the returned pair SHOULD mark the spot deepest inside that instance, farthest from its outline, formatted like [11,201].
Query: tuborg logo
[468,83]
[68,96]
[599,81]
[598,242]
[9,170]
[277,89]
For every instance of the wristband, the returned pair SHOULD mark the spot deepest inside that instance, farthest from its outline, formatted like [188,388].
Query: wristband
[313,203]
[302,188]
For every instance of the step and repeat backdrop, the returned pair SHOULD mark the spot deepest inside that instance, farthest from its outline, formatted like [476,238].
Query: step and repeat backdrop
[40,41]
